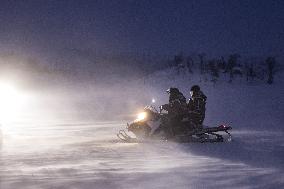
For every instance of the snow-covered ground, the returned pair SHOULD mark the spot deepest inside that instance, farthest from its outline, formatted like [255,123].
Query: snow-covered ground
[86,154]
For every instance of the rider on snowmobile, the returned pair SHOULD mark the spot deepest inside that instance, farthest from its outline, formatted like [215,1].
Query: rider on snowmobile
[196,106]
[177,102]
[177,125]
[176,108]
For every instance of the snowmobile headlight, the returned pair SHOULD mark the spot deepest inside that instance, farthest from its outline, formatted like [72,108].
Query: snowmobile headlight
[141,116]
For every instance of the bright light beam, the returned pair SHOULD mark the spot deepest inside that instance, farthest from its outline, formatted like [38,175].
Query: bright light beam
[11,102]
[141,116]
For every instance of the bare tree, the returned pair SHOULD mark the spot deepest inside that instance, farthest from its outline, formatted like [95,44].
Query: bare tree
[270,61]
[213,67]
[202,63]
[232,62]
[251,73]
[189,64]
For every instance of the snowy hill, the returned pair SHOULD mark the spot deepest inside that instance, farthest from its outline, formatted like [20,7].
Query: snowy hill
[253,104]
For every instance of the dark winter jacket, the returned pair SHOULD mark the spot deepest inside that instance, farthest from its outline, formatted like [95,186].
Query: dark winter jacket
[196,105]
[177,98]
[177,104]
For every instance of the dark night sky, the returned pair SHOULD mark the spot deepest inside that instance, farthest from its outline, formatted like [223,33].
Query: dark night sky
[215,27]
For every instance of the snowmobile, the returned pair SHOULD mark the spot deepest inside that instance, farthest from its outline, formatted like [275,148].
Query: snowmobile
[154,125]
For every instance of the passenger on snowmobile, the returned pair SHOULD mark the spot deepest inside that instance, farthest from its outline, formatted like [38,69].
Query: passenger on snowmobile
[176,108]
[196,106]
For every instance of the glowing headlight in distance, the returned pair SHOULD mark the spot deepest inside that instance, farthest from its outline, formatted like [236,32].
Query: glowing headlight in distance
[11,102]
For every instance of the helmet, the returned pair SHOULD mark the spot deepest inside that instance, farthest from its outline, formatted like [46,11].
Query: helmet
[172,90]
[195,88]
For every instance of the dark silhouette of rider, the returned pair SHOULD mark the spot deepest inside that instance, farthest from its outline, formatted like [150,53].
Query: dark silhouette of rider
[176,109]
[196,106]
